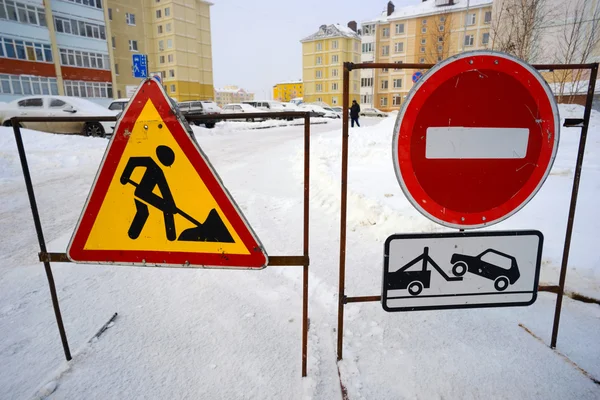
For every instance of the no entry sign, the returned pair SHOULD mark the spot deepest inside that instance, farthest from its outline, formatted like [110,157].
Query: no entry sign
[475,139]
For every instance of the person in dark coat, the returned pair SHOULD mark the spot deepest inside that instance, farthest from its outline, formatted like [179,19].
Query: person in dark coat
[354,110]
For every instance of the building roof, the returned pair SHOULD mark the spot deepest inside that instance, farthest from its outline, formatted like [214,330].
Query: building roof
[332,31]
[427,7]
[288,83]
[229,90]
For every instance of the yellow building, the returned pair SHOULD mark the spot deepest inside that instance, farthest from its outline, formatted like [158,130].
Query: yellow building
[425,33]
[286,91]
[323,57]
[175,34]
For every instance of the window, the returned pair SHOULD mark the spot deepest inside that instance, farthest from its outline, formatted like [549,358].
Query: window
[385,50]
[397,83]
[79,28]
[442,19]
[319,46]
[335,59]
[469,40]
[334,72]
[424,22]
[487,17]
[161,59]
[334,100]
[318,74]
[423,41]
[384,70]
[319,87]
[334,44]
[319,60]
[31,103]
[422,49]
[485,39]
[424,29]
[170,58]
[158,13]
[84,59]
[367,47]
[422,60]
[110,14]
[399,29]
[91,3]
[366,82]
[167,11]
[130,19]
[88,89]
[441,28]
[116,69]
[161,45]
[169,43]
[397,62]
[383,102]
[172,88]
[168,27]
[133,45]
[399,47]
[440,39]
[385,32]
[56,103]
[396,100]
[368,30]
[471,19]
[384,84]
[334,86]
[160,30]
[440,48]
[171,73]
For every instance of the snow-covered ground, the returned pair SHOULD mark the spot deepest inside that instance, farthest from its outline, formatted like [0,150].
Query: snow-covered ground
[217,334]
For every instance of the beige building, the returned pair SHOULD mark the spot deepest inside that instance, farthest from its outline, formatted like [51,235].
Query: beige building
[323,56]
[425,33]
[232,94]
[175,34]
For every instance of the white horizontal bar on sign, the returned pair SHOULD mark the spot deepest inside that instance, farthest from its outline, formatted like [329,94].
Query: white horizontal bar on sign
[456,142]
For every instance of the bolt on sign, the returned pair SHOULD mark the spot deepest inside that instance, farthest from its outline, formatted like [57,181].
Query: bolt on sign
[473,143]
[157,200]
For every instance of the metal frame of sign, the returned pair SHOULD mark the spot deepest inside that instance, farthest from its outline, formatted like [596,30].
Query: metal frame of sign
[386,260]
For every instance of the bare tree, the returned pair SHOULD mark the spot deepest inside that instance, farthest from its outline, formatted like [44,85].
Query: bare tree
[517,27]
[576,41]
[439,48]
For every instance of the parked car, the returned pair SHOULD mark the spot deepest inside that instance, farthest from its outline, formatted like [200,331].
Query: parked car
[297,101]
[118,104]
[198,109]
[372,112]
[266,105]
[241,108]
[59,106]
[318,111]
[338,109]
[339,114]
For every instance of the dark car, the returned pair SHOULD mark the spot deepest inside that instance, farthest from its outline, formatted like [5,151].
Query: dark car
[491,264]
[196,109]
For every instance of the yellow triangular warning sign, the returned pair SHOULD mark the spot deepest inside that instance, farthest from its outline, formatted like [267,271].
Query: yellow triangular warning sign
[158,201]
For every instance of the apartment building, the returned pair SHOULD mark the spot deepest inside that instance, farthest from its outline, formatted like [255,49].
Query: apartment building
[54,47]
[232,94]
[323,57]
[84,47]
[425,33]
[285,91]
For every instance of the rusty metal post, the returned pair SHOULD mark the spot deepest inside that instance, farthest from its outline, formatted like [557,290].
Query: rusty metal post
[40,235]
[575,191]
[343,207]
[305,243]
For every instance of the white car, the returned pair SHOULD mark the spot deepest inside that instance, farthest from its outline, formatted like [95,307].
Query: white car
[241,108]
[318,111]
[372,112]
[118,104]
[59,106]
[267,105]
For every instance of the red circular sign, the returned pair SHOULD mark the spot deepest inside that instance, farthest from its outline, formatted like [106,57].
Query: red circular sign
[475,139]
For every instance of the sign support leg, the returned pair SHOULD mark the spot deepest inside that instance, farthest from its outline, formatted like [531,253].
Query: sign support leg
[40,234]
[343,207]
[305,241]
[575,191]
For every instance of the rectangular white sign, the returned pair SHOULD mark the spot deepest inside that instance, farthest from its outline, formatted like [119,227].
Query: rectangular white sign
[461,270]
[455,142]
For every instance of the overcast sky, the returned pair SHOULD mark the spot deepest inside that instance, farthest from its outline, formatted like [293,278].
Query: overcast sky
[256,43]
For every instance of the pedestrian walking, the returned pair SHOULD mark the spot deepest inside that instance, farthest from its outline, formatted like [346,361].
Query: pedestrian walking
[354,110]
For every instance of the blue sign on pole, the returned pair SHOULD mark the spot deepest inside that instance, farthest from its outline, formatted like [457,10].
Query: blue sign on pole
[416,76]
[140,66]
